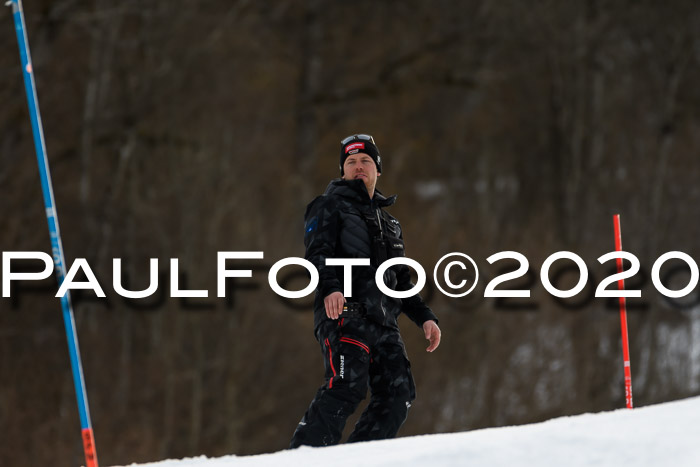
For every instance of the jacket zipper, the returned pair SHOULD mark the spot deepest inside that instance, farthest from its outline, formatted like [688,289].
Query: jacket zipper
[381,236]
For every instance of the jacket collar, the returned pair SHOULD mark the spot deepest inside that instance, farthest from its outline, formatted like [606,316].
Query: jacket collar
[356,190]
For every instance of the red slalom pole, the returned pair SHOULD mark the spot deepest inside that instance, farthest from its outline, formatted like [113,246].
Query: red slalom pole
[623,317]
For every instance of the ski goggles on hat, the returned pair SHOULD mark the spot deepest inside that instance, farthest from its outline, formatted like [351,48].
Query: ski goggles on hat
[362,137]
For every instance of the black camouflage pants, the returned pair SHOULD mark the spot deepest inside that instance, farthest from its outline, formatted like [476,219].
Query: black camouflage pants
[358,354]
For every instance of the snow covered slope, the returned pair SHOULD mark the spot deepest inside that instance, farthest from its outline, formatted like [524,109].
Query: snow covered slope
[660,435]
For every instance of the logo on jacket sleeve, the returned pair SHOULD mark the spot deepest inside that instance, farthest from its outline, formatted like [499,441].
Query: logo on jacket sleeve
[311,226]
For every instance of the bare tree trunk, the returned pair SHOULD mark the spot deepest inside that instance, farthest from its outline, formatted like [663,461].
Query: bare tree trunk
[309,81]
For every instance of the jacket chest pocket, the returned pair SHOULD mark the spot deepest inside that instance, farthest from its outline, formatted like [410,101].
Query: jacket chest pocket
[393,229]
[394,243]
[395,248]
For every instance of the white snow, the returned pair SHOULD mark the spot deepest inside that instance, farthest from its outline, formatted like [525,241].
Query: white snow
[659,435]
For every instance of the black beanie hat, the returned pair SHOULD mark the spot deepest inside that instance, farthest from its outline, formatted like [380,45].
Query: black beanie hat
[359,143]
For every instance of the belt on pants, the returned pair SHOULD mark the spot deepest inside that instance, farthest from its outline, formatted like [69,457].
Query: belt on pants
[354,309]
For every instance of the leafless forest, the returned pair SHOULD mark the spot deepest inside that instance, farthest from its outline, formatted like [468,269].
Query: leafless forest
[176,129]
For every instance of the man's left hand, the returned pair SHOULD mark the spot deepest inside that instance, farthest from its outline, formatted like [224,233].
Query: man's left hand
[432,333]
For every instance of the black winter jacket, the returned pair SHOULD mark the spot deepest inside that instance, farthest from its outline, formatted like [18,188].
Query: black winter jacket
[341,223]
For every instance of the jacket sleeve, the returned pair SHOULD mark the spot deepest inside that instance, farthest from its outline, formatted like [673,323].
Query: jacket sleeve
[414,307]
[321,225]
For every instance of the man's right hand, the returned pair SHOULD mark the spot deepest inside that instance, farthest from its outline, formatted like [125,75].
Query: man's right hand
[334,305]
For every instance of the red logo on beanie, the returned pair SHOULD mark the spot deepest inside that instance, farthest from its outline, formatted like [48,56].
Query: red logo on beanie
[350,147]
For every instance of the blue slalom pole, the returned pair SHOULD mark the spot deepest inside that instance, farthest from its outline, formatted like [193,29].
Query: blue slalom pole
[56,245]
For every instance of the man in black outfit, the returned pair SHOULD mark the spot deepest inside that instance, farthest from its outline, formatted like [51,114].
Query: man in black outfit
[358,333]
